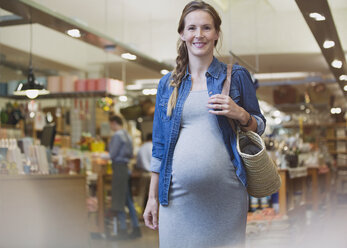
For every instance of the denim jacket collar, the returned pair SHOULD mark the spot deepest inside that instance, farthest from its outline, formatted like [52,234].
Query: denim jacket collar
[214,69]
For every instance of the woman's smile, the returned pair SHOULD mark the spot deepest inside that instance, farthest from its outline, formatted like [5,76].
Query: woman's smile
[199,44]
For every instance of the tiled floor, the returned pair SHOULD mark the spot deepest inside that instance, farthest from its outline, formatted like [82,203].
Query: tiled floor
[306,229]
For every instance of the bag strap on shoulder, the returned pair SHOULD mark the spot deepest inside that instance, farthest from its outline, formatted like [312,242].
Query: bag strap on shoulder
[226,91]
[227,82]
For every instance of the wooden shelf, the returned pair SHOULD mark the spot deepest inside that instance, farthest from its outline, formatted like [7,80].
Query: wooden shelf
[337,152]
[336,139]
[341,125]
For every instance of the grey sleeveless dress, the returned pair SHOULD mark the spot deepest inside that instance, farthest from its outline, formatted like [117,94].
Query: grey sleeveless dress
[208,204]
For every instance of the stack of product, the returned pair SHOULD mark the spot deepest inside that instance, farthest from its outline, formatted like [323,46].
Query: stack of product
[27,159]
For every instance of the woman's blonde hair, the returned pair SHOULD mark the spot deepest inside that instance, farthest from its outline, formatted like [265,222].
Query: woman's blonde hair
[182,52]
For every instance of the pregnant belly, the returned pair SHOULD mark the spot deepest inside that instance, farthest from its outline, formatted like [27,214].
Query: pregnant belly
[200,162]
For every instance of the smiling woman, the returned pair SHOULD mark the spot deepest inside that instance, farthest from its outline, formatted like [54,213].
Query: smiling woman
[197,177]
[199,35]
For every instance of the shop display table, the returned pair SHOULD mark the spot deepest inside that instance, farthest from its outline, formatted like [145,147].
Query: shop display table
[321,180]
[303,186]
[43,211]
[293,190]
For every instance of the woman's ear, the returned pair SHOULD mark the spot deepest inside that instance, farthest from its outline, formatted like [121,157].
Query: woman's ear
[182,37]
[217,36]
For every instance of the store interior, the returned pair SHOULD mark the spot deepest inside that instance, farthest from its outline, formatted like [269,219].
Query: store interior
[79,61]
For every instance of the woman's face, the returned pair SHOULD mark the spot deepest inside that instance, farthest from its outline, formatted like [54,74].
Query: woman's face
[199,34]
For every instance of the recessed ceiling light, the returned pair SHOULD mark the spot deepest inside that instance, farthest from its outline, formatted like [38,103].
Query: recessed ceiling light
[123,98]
[343,77]
[328,44]
[336,63]
[74,33]
[317,16]
[345,88]
[164,71]
[281,75]
[128,56]
[149,92]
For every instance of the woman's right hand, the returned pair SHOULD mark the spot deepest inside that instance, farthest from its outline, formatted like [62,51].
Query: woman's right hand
[150,215]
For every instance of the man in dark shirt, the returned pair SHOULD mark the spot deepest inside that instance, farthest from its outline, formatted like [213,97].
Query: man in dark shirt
[121,151]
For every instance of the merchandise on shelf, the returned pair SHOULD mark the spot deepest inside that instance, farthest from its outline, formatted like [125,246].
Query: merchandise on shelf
[24,159]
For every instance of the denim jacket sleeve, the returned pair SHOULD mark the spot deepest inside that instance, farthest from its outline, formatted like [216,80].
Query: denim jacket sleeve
[248,98]
[158,138]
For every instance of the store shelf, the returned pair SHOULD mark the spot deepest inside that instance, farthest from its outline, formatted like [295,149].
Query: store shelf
[337,152]
[335,125]
[64,95]
[336,139]
[41,177]
[295,107]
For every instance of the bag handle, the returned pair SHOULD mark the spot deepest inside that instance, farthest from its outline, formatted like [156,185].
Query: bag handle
[226,91]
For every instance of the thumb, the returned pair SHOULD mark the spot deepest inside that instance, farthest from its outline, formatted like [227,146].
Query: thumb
[155,219]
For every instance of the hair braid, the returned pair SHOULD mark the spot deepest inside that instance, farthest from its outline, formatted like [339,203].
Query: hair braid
[178,74]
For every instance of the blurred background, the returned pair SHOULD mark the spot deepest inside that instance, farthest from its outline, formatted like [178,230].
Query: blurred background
[65,66]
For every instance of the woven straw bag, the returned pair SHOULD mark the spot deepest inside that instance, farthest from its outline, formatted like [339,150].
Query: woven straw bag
[262,174]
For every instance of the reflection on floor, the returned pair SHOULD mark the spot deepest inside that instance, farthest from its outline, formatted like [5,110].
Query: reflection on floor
[304,228]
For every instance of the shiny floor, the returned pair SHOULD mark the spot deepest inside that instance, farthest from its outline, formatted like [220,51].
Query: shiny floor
[304,228]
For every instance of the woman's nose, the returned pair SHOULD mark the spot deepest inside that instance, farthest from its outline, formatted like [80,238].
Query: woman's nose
[199,33]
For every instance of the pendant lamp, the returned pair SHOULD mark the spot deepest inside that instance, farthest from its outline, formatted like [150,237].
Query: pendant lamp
[31,88]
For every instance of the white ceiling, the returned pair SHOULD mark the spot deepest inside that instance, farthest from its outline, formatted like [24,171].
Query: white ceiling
[274,30]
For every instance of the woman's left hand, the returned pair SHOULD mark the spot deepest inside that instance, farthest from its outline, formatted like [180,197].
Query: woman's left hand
[224,105]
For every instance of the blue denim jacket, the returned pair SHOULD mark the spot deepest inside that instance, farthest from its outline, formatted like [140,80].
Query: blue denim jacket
[166,128]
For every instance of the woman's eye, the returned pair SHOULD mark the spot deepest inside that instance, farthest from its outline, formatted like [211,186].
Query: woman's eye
[191,28]
[207,28]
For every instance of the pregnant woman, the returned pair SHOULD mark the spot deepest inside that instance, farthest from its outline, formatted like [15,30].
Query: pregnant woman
[197,175]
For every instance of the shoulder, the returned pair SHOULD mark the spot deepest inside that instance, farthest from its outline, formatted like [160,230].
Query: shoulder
[239,70]
[116,135]
[165,81]
[164,87]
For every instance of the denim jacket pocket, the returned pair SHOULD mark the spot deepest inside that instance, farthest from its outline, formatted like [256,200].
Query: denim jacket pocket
[163,109]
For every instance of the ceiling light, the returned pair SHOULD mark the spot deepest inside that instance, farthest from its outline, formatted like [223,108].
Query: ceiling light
[31,89]
[128,56]
[123,98]
[281,75]
[345,88]
[164,71]
[147,92]
[317,16]
[336,64]
[74,33]
[343,77]
[335,110]
[328,44]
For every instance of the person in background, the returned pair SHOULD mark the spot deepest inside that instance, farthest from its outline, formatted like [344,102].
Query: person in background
[197,175]
[144,165]
[121,151]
